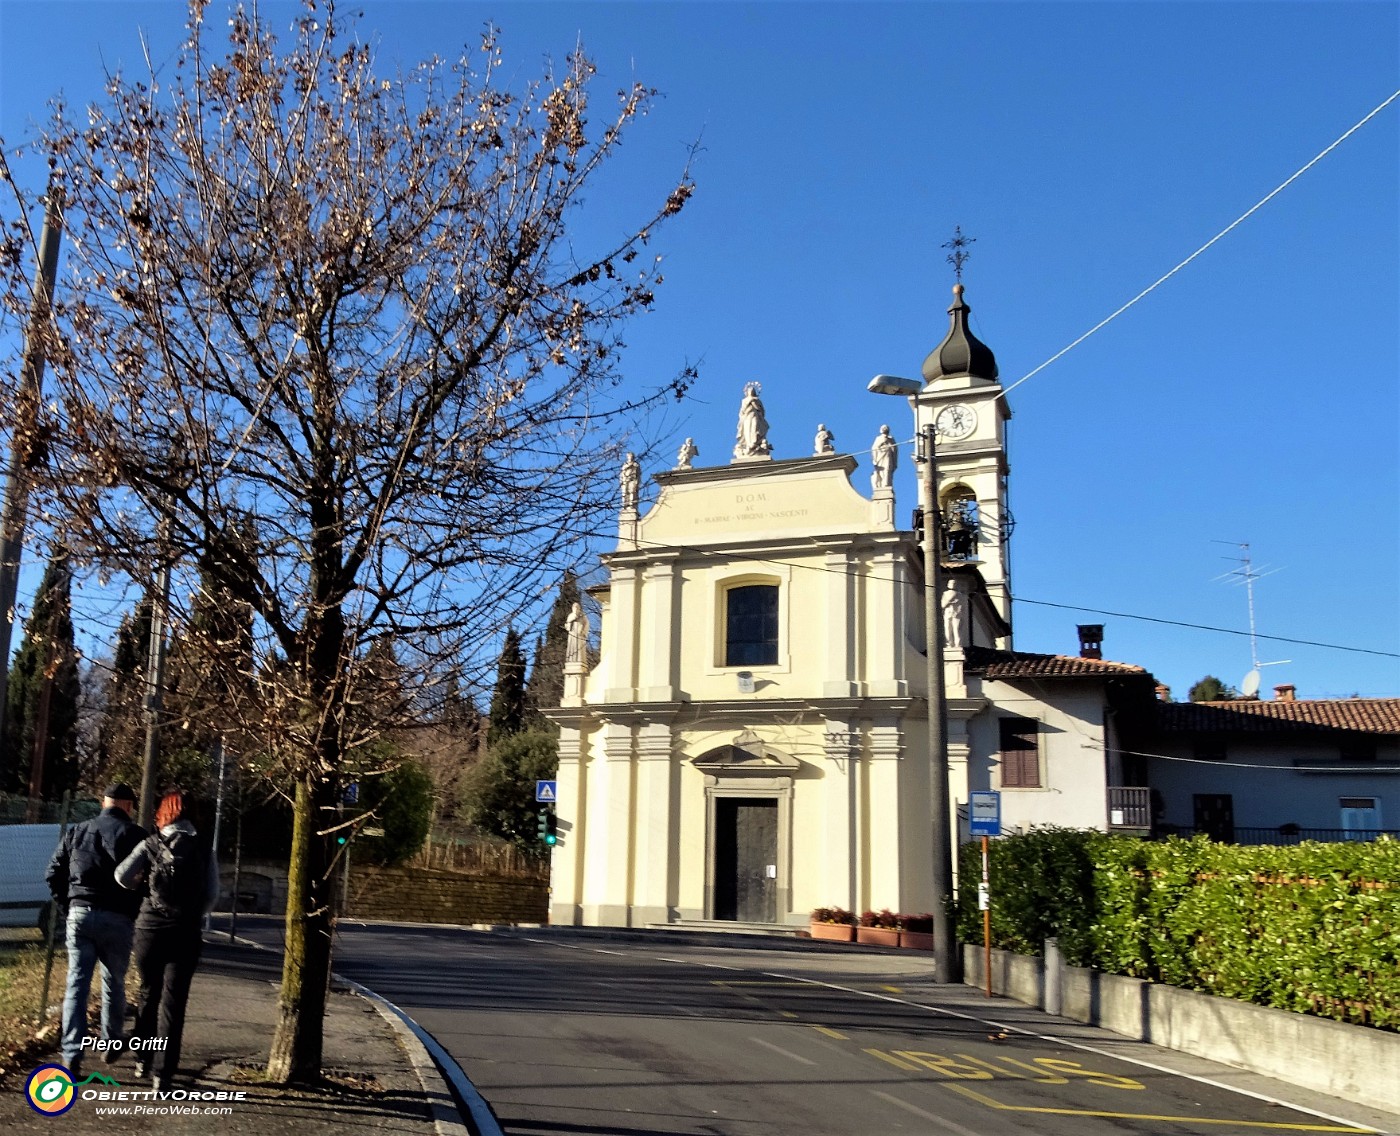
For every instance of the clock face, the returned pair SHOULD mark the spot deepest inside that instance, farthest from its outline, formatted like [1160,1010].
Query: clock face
[956,421]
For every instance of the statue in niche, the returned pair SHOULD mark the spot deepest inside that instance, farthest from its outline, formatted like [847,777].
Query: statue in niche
[953,622]
[631,480]
[884,456]
[751,440]
[825,442]
[689,452]
[577,628]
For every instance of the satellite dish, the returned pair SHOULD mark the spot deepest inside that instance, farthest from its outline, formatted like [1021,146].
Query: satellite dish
[1250,686]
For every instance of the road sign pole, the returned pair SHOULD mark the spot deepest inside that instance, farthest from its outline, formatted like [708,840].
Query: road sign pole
[987,915]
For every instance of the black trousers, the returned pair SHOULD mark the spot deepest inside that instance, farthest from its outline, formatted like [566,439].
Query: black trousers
[166,956]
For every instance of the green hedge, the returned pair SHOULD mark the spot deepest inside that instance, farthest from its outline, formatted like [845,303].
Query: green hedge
[1310,927]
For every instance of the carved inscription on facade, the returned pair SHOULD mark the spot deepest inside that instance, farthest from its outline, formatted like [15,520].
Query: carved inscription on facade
[753,508]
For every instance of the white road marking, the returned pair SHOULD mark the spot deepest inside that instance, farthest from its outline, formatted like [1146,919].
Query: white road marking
[780,1049]
[1078,1045]
[941,1121]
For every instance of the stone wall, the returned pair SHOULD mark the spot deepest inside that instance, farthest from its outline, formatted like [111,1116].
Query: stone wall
[420,895]
[410,895]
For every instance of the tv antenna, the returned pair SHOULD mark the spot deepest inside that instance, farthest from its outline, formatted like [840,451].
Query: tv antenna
[1246,574]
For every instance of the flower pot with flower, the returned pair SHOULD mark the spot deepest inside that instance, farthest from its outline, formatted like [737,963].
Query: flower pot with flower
[916,931]
[833,923]
[878,928]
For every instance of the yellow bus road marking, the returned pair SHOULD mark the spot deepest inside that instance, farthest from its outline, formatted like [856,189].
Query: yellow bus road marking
[990,1103]
[787,1013]
[893,1060]
[837,1034]
[892,989]
[1047,1070]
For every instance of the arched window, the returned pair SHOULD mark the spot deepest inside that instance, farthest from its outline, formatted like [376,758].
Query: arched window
[961,524]
[751,626]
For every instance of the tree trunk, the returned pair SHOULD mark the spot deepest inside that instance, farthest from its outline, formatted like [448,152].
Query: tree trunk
[296,1044]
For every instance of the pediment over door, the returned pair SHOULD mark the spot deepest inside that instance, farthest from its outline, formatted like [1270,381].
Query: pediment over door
[746,756]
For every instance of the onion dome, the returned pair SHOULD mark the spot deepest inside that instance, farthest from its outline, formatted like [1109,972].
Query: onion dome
[961,352]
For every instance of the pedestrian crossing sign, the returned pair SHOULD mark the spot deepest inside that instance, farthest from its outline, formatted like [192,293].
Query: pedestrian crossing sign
[546,791]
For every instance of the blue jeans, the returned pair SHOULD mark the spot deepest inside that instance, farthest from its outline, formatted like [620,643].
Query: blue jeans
[94,936]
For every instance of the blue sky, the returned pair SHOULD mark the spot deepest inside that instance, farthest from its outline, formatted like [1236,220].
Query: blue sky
[1089,148]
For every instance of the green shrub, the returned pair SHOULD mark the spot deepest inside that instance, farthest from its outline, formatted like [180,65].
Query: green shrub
[1312,927]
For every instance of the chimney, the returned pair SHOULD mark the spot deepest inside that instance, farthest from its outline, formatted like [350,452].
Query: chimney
[1286,692]
[1091,640]
[1164,692]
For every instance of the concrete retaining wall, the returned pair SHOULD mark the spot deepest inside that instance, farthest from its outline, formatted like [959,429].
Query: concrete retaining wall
[1329,1057]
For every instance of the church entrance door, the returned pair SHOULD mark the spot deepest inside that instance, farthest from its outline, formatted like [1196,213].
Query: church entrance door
[746,859]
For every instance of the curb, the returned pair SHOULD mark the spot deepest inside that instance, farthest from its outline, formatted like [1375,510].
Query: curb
[427,1053]
[430,1063]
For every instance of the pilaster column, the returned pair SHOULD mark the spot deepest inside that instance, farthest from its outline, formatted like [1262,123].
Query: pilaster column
[566,857]
[609,876]
[622,654]
[656,679]
[889,827]
[840,626]
[885,630]
[657,803]
[841,859]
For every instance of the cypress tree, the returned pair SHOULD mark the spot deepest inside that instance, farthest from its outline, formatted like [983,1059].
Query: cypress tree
[547,677]
[46,651]
[122,731]
[508,700]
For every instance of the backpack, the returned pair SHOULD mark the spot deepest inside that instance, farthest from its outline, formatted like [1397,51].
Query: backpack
[177,884]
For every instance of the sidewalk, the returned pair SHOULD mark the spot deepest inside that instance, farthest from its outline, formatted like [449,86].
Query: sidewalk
[378,1076]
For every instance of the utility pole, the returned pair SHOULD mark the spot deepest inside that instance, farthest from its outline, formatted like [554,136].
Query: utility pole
[24,438]
[945,958]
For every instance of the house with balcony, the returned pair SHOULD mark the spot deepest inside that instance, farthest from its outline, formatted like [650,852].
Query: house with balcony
[1276,771]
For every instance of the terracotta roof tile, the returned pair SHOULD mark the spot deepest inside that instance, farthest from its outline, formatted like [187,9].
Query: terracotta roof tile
[1024,664]
[1247,715]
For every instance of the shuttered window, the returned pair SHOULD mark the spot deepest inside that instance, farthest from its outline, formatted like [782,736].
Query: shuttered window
[1020,754]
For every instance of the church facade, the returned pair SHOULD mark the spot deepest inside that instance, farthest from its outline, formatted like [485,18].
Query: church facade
[752,742]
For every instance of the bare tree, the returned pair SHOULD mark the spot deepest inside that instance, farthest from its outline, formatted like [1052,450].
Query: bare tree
[328,333]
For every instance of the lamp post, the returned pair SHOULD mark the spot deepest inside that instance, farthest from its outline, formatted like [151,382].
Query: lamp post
[945,958]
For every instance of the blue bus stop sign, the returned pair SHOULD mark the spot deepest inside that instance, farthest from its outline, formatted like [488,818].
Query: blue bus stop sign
[984,812]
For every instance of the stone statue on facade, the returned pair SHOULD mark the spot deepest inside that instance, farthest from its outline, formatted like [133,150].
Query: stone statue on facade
[751,440]
[954,625]
[825,441]
[689,452]
[884,456]
[630,480]
[577,627]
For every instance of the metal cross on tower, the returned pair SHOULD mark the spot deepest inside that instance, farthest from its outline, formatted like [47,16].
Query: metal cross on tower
[959,256]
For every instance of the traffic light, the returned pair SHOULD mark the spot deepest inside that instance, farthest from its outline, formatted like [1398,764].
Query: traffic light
[547,826]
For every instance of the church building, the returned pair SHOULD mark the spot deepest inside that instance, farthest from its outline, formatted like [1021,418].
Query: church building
[752,742]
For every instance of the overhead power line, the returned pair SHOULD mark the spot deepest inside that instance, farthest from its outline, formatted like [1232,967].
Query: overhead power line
[1207,627]
[1247,213]
[726,554]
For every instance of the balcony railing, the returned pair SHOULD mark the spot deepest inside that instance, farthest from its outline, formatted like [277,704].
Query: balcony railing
[1292,834]
[1129,807]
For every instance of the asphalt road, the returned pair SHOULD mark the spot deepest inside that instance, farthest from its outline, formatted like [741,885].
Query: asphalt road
[568,1035]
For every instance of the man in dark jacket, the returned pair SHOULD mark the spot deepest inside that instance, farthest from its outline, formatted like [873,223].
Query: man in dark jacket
[82,877]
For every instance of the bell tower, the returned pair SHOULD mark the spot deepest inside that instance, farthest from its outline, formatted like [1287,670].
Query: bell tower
[962,400]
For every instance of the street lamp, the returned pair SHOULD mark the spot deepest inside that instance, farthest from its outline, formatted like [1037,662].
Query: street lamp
[945,959]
